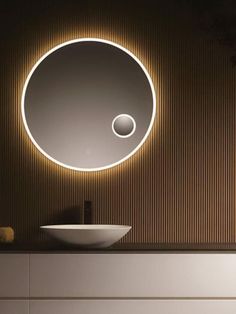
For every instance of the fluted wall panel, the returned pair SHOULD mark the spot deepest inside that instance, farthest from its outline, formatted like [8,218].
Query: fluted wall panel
[180,186]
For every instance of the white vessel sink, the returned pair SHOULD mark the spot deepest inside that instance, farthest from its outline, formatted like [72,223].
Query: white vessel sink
[90,236]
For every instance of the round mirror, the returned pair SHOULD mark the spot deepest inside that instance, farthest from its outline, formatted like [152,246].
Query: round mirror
[88,104]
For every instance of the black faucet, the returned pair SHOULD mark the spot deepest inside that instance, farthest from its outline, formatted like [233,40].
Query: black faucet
[87,212]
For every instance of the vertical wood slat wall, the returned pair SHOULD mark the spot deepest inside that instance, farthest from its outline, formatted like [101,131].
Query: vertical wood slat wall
[180,186]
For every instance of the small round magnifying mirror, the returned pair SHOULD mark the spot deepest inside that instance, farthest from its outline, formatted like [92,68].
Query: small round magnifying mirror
[123,125]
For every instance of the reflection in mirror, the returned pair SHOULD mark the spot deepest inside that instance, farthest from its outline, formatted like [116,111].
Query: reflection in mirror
[88,104]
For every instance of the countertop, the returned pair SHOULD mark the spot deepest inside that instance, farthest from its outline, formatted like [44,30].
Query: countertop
[120,248]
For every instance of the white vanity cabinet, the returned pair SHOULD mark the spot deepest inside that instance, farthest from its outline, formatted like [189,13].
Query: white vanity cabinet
[133,307]
[14,275]
[133,275]
[14,283]
[14,307]
[118,283]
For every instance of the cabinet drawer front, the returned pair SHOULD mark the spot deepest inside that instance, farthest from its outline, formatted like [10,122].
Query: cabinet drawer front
[133,275]
[14,275]
[14,307]
[133,307]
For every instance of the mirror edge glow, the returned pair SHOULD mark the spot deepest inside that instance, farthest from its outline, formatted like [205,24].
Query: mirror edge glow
[68,43]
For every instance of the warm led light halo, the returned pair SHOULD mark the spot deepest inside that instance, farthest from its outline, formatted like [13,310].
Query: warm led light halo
[72,42]
[123,115]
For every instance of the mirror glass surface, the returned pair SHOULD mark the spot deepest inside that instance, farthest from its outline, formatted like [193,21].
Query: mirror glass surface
[88,104]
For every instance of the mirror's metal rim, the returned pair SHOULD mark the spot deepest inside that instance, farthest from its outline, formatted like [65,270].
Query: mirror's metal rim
[72,42]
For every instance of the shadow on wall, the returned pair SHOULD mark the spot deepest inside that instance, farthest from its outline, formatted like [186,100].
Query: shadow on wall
[67,215]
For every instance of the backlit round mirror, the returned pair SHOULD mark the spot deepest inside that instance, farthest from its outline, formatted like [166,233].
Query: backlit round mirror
[88,104]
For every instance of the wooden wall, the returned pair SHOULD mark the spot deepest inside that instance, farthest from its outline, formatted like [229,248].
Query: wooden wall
[180,186]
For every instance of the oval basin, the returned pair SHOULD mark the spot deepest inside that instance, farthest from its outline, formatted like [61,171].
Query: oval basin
[89,236]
